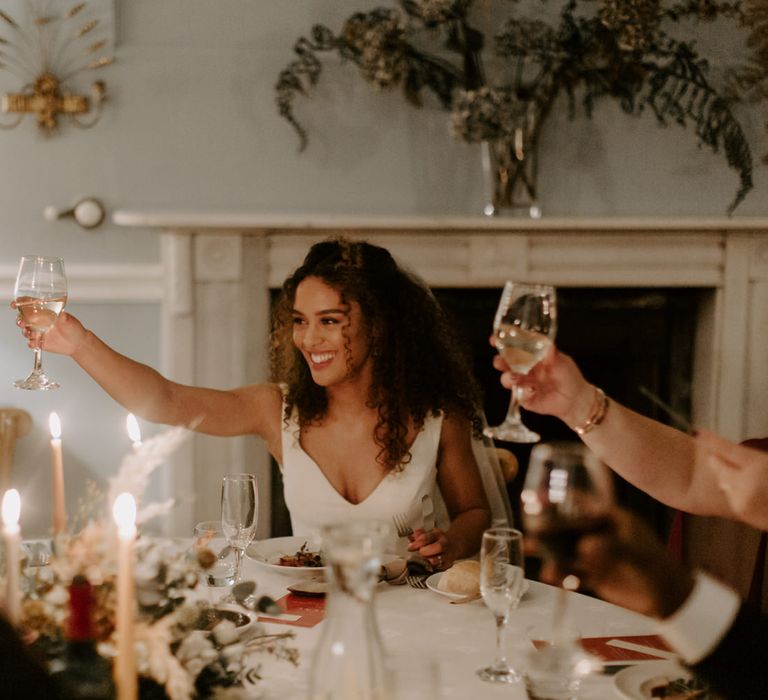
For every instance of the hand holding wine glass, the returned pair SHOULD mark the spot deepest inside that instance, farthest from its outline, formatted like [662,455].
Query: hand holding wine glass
[502,579]
[524,328]
[239,511]
[39,297]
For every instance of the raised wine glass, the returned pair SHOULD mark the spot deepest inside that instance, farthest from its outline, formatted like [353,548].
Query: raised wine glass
[502,579]
[567,493]
[523,329]
[40,295]
[239,511]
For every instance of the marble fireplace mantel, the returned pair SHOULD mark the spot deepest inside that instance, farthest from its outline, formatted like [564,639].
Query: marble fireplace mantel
[219,269]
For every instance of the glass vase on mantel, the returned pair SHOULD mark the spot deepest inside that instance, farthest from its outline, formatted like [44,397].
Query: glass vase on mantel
[510,169]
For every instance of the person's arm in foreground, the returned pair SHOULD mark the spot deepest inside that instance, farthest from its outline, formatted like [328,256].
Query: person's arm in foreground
[703,620]
[658,459]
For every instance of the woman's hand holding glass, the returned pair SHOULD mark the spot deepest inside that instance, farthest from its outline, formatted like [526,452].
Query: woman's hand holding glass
[523,330]
[39,295]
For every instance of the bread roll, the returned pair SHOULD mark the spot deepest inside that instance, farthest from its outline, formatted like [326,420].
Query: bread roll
[463,577]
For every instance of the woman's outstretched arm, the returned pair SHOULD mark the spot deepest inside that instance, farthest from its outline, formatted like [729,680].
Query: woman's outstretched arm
[141,389]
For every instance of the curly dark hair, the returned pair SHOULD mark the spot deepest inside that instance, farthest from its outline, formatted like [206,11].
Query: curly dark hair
[420,366]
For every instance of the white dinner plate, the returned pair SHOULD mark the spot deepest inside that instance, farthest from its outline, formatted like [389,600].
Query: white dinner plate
[434,580]
[267,553]
[637,682]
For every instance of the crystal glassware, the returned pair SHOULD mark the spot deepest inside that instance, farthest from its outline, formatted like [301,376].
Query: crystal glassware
[349,659]
[502,579]
[239,512]
[523,330]
[40,294]
[567,493]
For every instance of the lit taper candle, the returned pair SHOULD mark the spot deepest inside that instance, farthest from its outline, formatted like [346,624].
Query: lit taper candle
[11,510]
[124,513]
[57,475]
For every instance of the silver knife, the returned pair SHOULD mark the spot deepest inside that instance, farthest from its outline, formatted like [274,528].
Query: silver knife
[427,513]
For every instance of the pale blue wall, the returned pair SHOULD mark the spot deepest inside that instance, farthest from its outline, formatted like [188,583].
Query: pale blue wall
[191,124]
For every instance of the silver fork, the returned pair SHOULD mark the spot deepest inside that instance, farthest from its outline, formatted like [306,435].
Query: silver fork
[401,525]
[416,581]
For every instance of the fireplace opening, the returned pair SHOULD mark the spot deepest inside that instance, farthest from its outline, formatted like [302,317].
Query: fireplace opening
[621,338]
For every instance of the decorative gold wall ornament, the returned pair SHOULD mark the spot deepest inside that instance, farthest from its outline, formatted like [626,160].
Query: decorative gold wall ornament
[57,44]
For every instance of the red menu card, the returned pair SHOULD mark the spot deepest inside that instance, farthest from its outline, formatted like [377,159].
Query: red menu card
[301,611]
[609,649]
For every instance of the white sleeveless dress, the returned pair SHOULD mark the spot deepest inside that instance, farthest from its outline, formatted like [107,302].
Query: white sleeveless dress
[313,502]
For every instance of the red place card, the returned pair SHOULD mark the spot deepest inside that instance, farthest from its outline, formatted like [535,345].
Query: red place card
[306,611]
[609,649]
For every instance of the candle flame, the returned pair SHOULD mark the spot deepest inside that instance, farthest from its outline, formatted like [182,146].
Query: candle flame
[132,425]
[55,425]
[11,508]
[124,513]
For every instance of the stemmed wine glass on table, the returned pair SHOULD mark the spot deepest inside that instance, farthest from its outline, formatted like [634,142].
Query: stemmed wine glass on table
[40,294]
[239,512]
[567,493]
[502,579]
[523,329]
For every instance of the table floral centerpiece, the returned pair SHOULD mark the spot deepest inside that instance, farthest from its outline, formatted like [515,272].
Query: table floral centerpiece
[183,647]
[500,95]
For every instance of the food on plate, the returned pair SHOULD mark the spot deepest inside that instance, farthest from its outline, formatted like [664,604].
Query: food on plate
[303,557]
[683,689]
[463,577]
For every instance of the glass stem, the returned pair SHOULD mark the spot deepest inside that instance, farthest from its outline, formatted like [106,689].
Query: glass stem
[501,642]
[558,616]
[513,412]
[238,563]
[38,367]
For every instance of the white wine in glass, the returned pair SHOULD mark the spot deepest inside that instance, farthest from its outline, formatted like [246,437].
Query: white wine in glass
[523,330]
[239,514]
[40,295]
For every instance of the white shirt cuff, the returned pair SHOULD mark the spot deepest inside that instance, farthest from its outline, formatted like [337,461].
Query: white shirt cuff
[699,624]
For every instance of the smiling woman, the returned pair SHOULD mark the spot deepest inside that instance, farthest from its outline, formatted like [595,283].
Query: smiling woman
[372,404]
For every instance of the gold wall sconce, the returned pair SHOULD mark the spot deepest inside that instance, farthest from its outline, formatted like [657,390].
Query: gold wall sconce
[54,47]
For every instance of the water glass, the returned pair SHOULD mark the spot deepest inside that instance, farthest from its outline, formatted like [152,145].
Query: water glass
[555,663]
[210,535]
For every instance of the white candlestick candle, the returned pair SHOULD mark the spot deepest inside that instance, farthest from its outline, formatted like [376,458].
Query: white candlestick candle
[124,512]
[57,474]
[11,510]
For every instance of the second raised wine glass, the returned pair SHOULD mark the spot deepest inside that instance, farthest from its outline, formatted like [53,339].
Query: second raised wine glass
[239,514]
[40,295]
[523,330]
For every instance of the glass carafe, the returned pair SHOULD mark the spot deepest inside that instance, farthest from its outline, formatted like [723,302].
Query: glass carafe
[348,663]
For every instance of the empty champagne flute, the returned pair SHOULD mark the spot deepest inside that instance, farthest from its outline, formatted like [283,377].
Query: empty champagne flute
[502,579]
[239,511]
[40,294]
[568,492]
[523,329]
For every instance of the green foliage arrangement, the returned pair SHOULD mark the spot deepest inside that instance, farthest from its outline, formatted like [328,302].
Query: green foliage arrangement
[591,50]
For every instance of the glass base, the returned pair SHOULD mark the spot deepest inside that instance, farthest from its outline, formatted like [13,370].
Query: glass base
[511,432]
[36,381]
[499,674]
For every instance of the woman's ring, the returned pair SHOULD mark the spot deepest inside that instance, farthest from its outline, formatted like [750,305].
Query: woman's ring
[439,561]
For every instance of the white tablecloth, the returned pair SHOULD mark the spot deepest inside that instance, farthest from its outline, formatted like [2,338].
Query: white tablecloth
[462,637]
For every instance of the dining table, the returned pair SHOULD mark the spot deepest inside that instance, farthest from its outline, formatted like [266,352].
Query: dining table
[423,624]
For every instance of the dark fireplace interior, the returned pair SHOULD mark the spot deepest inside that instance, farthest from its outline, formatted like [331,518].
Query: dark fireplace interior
[621,339]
